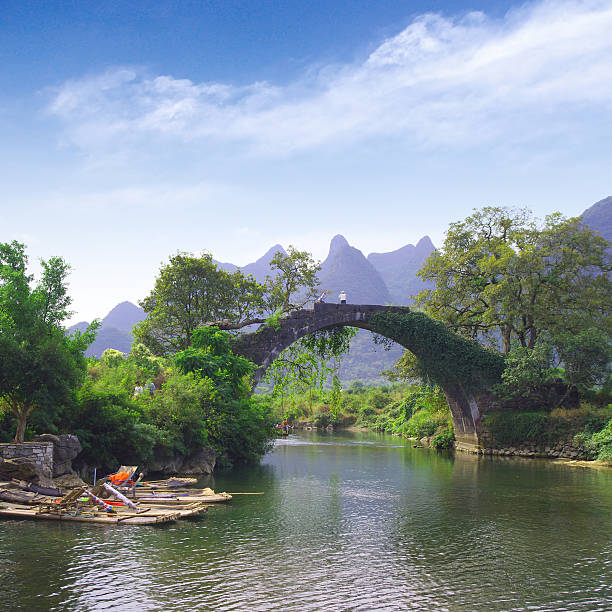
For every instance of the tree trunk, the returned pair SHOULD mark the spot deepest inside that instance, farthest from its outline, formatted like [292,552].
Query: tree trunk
[21,425]
[506,338]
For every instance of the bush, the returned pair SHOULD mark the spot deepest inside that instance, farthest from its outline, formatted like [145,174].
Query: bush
[599,444]
[515,428]
[322,419]
[105,424]
[444,438]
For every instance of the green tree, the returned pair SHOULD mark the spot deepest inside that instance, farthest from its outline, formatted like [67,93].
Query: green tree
[189,292]
[39,365]
[295,282]
[502,278]
[585,358]
[235,423]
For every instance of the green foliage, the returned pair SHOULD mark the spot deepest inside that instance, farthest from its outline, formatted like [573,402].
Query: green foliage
[501,276]
[189,292]
[414,411]
[556,369]
[511,428]
[105,424]
[310,363]
[112,358]
[210,357]
[585,356]
[529,375]
[444,439]
[236,424]
[40,367]
[202,399]
[294,282]
[598,443]
[515,428]
[442,356]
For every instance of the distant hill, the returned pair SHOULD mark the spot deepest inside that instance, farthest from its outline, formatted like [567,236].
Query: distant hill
[346,269]
[260,268]
[399,269]
[124,316]
[365,281]
[599,217]
[115,330]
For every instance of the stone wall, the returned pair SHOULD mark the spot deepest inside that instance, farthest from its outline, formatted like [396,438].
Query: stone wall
[564,449]
[40,453]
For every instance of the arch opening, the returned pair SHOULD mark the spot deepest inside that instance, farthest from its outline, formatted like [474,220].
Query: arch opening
[463,369]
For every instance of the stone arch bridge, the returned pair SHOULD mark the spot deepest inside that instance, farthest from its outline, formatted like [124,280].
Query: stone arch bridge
[467,404]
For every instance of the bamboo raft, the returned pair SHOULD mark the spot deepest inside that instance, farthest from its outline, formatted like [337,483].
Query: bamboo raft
[84,506]
[185,510]
[90,515]
[178,498]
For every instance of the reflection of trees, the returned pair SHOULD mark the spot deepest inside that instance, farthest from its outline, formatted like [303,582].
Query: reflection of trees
[508,530]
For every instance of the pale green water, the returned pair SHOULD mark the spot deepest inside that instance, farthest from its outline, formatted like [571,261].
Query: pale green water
[347,522]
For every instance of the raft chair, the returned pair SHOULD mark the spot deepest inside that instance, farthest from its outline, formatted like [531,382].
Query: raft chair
[63,504]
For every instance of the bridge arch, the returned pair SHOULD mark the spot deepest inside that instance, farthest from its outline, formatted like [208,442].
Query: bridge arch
[464,370]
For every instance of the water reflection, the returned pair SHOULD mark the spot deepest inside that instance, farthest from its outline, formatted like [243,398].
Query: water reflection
[348,522]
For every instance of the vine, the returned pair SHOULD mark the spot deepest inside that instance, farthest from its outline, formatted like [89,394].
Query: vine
[442,355]
[310,363]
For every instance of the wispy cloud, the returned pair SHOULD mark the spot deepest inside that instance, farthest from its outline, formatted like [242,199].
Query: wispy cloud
[440,82]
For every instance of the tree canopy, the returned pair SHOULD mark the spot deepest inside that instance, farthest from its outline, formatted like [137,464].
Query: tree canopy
[192,291]
[189,292]
[502,278]
[295,280]
[39,364]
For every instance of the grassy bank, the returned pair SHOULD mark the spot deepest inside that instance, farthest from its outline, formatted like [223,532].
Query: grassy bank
[412,411]
[417,411]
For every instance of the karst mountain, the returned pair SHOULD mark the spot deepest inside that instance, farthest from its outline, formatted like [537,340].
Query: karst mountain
[380,278]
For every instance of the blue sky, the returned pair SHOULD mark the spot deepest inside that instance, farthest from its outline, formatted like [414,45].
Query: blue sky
[132,130]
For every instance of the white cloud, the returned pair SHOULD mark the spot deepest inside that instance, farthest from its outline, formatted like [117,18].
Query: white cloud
[440,82]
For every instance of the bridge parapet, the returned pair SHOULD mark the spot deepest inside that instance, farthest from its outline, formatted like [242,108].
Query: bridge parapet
[266,344]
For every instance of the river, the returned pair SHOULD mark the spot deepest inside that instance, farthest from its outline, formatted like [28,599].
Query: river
[347,521]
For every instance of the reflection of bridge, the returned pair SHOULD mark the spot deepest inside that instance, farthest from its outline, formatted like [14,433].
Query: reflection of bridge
[266,344]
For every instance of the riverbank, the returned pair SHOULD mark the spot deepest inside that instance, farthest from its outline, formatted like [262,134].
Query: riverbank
[421,414]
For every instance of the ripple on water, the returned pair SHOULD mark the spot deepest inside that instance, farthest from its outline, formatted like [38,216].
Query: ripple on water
[354,527]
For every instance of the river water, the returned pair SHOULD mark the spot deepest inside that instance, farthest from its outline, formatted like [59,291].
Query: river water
[347,521]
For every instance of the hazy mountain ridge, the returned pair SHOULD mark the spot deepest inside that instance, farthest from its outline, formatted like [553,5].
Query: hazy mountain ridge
[381,278]
[399,269]
[599,217]
[259,268]
[115,330]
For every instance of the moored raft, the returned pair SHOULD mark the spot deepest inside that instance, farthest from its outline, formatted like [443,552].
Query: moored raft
[184,510]
[207,496]
[79,515]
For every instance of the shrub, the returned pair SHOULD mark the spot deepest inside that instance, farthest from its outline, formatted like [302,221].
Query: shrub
[514,428]
[444,438]
[599,444]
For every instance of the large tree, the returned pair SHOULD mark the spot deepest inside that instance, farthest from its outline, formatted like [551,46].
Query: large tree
[504,279]
[39,364]
[189,292]
[294,281]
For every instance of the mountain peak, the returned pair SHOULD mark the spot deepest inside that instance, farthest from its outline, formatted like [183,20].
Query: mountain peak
[337,243]
[599,217]
[124,316]
[425,244]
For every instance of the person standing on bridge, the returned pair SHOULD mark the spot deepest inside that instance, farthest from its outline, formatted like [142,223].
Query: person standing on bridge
[321,299]
[342,297]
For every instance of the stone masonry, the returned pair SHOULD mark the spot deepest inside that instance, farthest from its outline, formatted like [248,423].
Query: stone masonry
[266,344]
[39,453]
